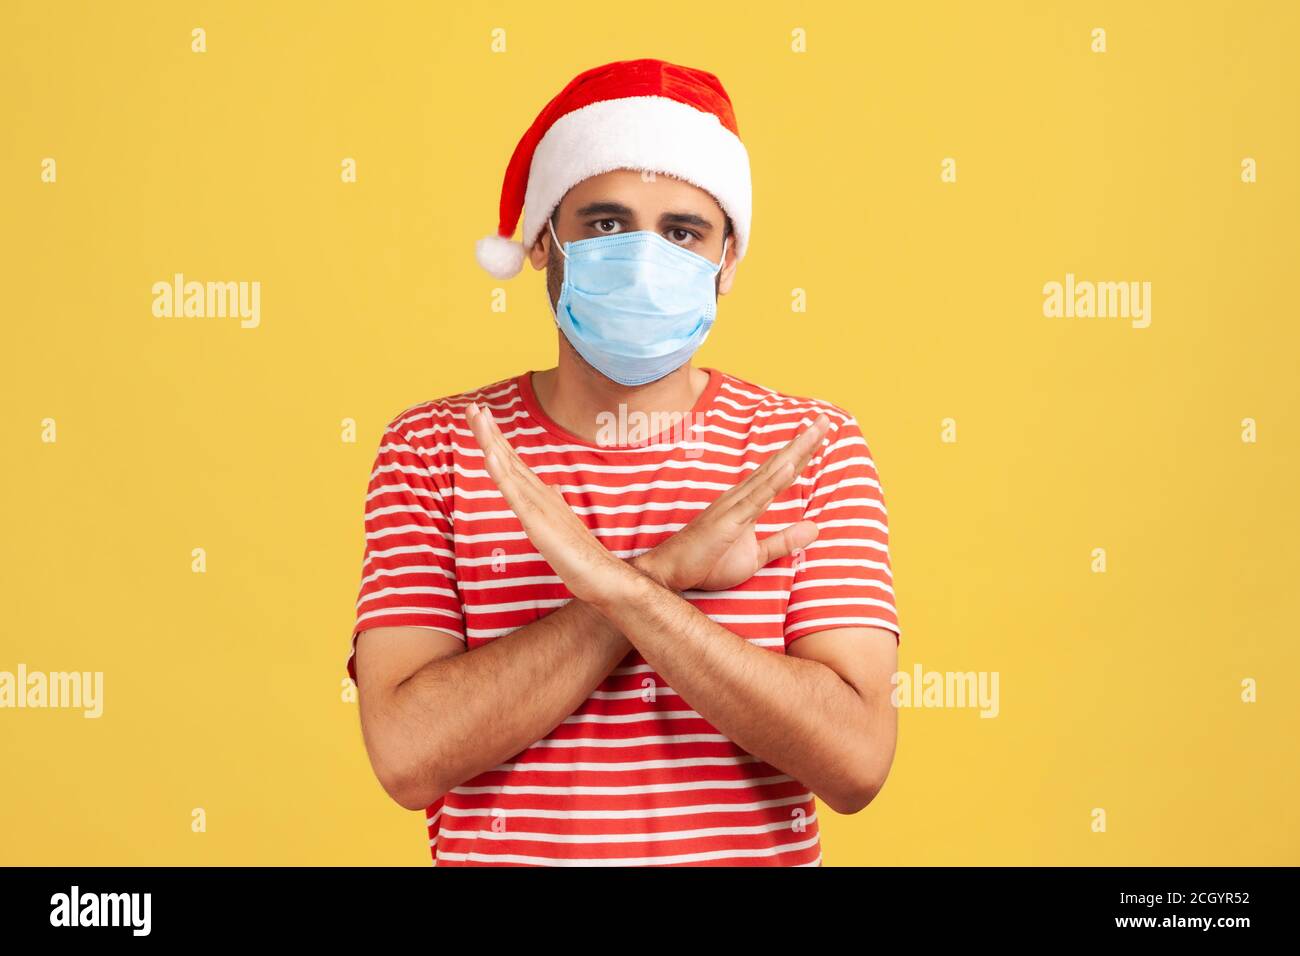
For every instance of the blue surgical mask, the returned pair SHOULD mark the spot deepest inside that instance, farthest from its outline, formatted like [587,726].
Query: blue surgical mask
[635,305]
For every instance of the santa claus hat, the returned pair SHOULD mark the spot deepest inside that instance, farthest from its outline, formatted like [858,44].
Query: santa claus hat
[632,114]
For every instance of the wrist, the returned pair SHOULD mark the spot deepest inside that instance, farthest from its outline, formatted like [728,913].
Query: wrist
[626,587]
[653,567]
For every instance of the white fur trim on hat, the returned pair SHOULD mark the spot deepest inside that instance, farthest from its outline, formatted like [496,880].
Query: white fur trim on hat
[639,132]
[500,256]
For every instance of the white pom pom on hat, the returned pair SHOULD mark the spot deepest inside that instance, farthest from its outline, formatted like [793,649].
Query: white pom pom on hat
[642,114]
[499,255]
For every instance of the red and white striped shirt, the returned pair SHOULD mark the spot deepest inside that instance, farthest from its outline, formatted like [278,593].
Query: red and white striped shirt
[635,776]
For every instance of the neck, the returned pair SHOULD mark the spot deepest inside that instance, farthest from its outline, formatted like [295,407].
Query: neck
[574,394]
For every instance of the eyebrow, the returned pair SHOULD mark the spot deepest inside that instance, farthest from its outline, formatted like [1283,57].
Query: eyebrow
[609,208]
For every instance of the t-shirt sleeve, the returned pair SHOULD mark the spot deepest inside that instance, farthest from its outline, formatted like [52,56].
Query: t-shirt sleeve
[844,578]
[408,574]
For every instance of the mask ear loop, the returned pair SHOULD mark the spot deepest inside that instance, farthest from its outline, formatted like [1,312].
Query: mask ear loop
[556,239]
[724,255]
[559,245]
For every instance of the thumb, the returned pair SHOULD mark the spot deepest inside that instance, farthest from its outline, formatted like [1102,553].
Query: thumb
[788,539]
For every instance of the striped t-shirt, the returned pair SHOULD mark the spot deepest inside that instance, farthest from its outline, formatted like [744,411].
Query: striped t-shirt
[635,776]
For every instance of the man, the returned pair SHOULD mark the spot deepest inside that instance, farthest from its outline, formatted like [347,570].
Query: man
[578,648]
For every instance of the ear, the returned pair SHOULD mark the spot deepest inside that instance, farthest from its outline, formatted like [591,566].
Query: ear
[540,252]
[728,273]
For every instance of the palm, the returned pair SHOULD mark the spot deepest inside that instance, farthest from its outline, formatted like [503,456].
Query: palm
[734,565]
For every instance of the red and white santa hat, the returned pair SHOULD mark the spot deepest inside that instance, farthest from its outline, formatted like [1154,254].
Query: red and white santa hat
[632,114]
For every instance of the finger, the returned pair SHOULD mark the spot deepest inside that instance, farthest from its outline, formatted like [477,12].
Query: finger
[482,424]
[777,474]
[523,489]
[479,428]
[755,501]
[551,525]
[535,517]
[816,432]
[800,449]
[745,485]
[797,451]
[500,459]
[505,481]
[492,438]
[791,460]
[510,474]
[786,541]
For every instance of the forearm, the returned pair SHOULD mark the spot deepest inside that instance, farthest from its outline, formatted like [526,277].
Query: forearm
[458,716]
[797,715]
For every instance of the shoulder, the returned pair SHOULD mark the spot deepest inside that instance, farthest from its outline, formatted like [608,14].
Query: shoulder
[762,401]
[431,422]
[779,415]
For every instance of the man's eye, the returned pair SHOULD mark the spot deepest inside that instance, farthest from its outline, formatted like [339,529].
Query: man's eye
[601,225]
[679,235]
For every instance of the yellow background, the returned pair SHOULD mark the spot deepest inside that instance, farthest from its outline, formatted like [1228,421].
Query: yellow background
[222,690]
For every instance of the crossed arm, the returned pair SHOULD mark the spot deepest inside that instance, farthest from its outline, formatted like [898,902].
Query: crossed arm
[434,716]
